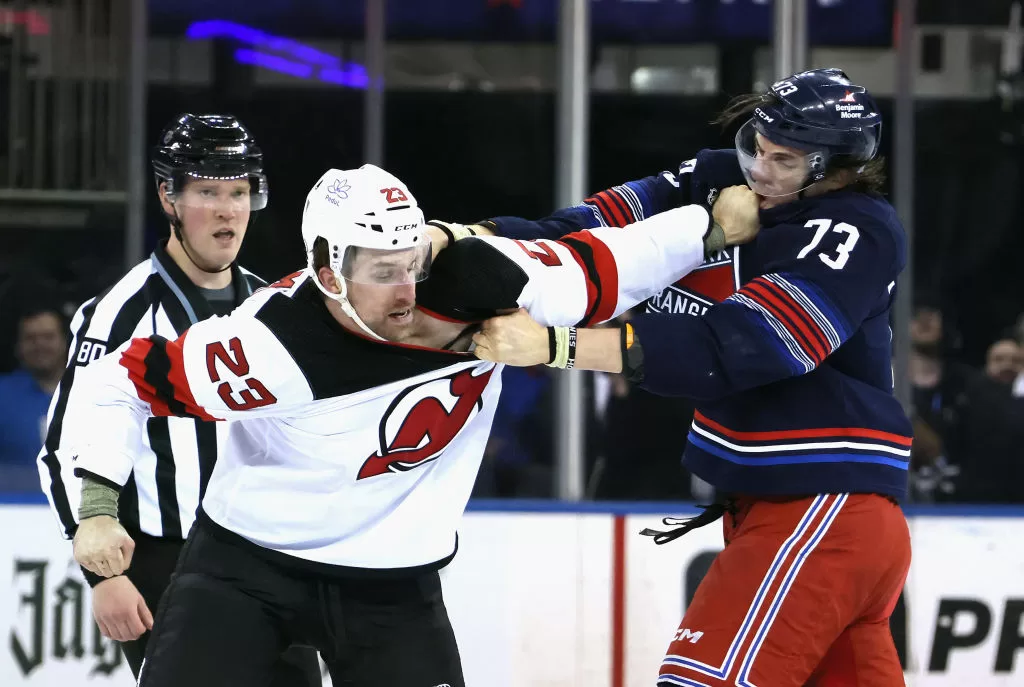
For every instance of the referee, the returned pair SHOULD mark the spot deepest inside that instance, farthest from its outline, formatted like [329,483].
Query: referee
[209,175]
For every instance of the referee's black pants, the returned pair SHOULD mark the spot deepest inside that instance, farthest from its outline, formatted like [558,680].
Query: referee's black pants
[229,612]
[153,563]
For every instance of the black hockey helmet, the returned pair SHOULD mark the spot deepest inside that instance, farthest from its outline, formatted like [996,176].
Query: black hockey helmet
[209,146]
[820,112]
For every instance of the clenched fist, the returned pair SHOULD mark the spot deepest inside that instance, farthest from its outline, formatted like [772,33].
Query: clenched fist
[736,211]
[102,546]
[514,339]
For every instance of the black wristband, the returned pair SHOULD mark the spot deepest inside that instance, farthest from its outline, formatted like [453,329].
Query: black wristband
[489,225]
[552,345]
[571,361]
[92,578]
[447,232]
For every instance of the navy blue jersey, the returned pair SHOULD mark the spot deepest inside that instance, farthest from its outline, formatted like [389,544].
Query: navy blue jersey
[784,343]
[634,200]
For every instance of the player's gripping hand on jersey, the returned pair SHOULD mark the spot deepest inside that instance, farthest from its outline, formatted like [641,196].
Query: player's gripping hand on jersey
[102,546]
[443,234]
[517,339]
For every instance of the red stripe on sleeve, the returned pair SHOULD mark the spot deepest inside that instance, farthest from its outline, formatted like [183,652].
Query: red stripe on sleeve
[179,380]
[791,316]
[134,359]
[602,286]
[621,218]
[785,297]
[591,286]
[623,204]
[611,216]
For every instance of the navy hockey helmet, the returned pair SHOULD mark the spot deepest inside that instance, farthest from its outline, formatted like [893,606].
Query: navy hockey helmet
[209,146]
[820,112]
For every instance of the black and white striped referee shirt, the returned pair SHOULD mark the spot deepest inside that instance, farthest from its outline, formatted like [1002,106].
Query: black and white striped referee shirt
[163,492]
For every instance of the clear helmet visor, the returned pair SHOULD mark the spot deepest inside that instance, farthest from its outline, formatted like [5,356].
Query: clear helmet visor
[224,194]
[385,266]
[774,170]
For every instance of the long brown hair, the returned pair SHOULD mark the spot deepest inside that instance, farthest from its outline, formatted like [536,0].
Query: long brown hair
[870,176]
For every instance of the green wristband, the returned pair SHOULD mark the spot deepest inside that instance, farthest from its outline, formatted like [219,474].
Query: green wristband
[715,240]
[97,499]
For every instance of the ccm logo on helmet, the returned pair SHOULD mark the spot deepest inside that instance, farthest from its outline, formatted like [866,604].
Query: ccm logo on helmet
[763,115]
[406,227]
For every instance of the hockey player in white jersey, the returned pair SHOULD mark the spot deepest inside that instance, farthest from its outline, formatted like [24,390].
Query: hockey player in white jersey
[362,423]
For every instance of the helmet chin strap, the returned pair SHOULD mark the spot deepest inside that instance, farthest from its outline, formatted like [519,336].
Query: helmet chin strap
[346,305]
[176,227]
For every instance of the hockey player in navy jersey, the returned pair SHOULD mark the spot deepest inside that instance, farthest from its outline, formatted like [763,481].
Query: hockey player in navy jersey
[361,424]
[785,345]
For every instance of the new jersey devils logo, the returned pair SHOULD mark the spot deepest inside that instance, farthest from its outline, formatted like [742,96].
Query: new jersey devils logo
[421,422]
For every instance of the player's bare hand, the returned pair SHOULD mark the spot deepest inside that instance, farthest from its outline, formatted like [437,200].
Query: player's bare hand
[120,610]
[438,239]
[102,546]
[736,210]
[514,339]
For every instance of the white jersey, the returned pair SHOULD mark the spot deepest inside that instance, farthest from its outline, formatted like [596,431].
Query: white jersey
[349,451]
[175,456]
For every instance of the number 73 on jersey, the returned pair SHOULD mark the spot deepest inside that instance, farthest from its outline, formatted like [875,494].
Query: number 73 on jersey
[836,258]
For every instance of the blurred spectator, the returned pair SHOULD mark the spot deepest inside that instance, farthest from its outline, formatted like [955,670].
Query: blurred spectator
[641,452]
[1018,385]
[1004,362]
[645,436]
[41,351]
[968,445]
[517,459]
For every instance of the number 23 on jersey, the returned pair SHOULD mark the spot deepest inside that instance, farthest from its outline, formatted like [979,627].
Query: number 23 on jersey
[233,358]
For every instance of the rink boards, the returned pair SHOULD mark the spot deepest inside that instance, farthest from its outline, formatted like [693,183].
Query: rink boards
[543,595]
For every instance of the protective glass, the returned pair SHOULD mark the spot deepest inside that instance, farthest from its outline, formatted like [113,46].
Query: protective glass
[231,194]
[386,267]
[774,173]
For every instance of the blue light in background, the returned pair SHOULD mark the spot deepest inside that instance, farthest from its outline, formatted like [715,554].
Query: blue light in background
[353,76]
[307,62]
[273,62]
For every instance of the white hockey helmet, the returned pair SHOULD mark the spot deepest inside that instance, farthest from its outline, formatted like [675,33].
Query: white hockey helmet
[374,229]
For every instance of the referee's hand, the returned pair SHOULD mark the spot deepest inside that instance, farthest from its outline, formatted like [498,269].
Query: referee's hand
[102,546]
[120,610]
